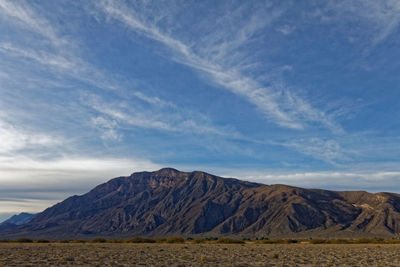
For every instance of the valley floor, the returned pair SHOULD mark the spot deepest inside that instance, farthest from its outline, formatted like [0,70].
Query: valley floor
[108,254]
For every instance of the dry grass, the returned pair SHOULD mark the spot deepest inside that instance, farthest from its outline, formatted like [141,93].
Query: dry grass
[192,254]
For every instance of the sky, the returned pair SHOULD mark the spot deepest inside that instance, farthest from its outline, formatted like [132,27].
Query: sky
[304,93]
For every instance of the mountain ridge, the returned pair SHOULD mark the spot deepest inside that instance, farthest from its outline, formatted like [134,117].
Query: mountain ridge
[169,202]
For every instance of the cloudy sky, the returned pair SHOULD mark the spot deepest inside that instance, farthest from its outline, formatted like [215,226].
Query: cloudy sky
[302,93]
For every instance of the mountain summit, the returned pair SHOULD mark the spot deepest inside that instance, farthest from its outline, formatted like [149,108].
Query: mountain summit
[169,202]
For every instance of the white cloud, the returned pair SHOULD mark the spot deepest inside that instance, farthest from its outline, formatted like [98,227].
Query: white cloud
[384,15]
[286,29]
[66,62]
[41,57]
[374,21]
[14,206]
[14,139]
[335,180]
[30,185]
[62,172]
[327,150]
[153,100]
[115,113]
[33,175]
[218,57]
[108,127]
[26,17]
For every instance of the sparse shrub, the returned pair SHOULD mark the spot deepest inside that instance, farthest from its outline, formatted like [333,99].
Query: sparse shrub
[79,241]
[393,241]
[369,240]
[189,238]
[99,240]
[175,240]
[267,241]
[42,241]
[342,241]
[140,240]
[277,241]
[69,259]
[115,241]
[198,240]
[364,240]
[24,240]
[64,241]
[230,241]
[318,241]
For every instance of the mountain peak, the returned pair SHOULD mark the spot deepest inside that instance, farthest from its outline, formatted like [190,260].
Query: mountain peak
[167,171]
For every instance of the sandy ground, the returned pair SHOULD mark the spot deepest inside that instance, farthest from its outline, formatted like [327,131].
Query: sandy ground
[55,254]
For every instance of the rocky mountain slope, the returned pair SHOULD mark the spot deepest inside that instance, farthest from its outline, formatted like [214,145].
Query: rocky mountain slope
[168,202]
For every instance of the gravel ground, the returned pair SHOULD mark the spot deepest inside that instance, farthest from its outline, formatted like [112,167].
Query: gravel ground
[107,254]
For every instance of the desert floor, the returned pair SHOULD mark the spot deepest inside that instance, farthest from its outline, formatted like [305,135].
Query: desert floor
[108,254]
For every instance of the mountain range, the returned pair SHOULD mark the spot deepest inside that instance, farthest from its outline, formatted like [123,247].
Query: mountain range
[168,202]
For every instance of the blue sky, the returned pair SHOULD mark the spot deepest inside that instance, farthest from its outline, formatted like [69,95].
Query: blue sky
[301,93]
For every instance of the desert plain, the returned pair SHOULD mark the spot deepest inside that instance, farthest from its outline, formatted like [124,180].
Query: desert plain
[189,254]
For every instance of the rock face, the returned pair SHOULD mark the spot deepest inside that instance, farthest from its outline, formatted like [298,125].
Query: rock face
[168,202]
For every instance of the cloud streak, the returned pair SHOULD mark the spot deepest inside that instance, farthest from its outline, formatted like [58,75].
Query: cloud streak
[66,62]
[14,139]
[214,58]
[373,21]
[329,150]
[335,180]
[31,185]
[24,16]
[116,113]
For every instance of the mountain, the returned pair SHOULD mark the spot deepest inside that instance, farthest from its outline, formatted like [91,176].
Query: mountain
[19,219]
[169,202]
[16,220]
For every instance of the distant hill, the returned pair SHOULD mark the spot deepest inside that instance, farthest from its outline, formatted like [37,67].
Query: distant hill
[16,220]
[20,219]
[169,202]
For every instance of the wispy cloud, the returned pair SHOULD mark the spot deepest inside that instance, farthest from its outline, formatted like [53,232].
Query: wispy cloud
[108,127]
[327,150]
[286,29]
[334,180]
[373,21]
[31,167]
[41,57]
[217,57]
[24,16]
[65,61]
[153,100]
[116,113]
[28,184]
[14,139]
[383,16]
